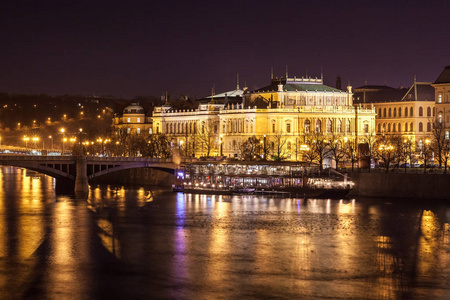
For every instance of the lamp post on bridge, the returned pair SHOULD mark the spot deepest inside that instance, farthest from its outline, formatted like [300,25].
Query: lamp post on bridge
[63,140]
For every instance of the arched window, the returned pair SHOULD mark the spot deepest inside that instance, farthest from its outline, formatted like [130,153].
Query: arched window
[411,127]
[339,126]
[420,111]
[384,112]
[318,126]
[389,127]
[395,112]
[329,125]
[420,127]
[384,127]
[379,113]
[394,127]
[347,125]
[411,114]
[434,111]
[428,126]
[406,111]
[399,111]
[307,125]
[428,111]
[390,112]
[379,127]
[399,127]
[406,127]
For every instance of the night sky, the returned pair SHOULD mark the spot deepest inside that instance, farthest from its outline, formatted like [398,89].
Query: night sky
[131,48]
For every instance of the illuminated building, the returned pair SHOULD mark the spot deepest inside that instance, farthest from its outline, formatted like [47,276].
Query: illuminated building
[406,112]
[289,108]
[133,120]
[442,99]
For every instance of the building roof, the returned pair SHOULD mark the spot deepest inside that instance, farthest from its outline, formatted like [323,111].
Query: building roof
[229,94]
[444,77]
[378,95]
[420,91]
[133,108]
[297,85]
[374,88]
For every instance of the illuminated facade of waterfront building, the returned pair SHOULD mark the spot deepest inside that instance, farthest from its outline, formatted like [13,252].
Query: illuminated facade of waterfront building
[133,120]
[405,112]
[279,115]
[442,99]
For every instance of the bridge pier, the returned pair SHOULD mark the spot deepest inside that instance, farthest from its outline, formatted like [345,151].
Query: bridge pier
[81,180]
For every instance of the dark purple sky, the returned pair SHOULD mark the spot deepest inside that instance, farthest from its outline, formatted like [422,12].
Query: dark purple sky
[131,48]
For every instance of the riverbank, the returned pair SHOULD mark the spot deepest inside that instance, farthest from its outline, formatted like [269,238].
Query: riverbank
[396,185]
[138,176]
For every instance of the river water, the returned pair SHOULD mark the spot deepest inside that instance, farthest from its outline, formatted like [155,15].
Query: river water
[149,243]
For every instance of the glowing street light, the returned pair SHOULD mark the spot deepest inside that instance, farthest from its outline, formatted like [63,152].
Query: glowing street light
[221,144]
[26,139]
[63,140]
[51,138]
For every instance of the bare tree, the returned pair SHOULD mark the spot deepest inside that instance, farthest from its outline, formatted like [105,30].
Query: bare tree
[389,149]
[445,154]
[407,151]
[251,149]
[336,149]
[158,145]
[207,135]
[438,140]
[369,140]
[318,147]
[279,142]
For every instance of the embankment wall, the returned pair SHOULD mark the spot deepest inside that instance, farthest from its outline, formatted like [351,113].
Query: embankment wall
[397,185]
[138,176]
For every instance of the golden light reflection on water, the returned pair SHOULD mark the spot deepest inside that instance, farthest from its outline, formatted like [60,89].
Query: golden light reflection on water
[431,242]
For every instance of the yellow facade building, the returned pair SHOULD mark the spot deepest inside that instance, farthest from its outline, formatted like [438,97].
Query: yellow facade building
[442,99]
[287,109]
[405,112]
[133,120]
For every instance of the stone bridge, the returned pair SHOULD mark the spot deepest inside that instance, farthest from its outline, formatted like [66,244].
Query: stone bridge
[79,169]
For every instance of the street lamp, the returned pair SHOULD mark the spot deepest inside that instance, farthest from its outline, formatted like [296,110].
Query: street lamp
[26,139]
[221,144]
[35,140]
[265,148]
[81,142]
[181,146]
[63,140]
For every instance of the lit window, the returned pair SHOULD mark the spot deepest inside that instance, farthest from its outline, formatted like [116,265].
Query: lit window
[447,135]
[138,120]
[129,120]
[138,131]
[440,98]
[128,130]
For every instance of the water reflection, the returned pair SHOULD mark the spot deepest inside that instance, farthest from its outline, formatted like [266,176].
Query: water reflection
[151,243]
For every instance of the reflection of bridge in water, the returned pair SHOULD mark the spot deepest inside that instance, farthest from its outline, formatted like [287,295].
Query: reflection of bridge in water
[77,170]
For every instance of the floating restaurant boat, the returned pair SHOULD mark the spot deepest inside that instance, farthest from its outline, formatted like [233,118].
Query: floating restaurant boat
[300,179]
